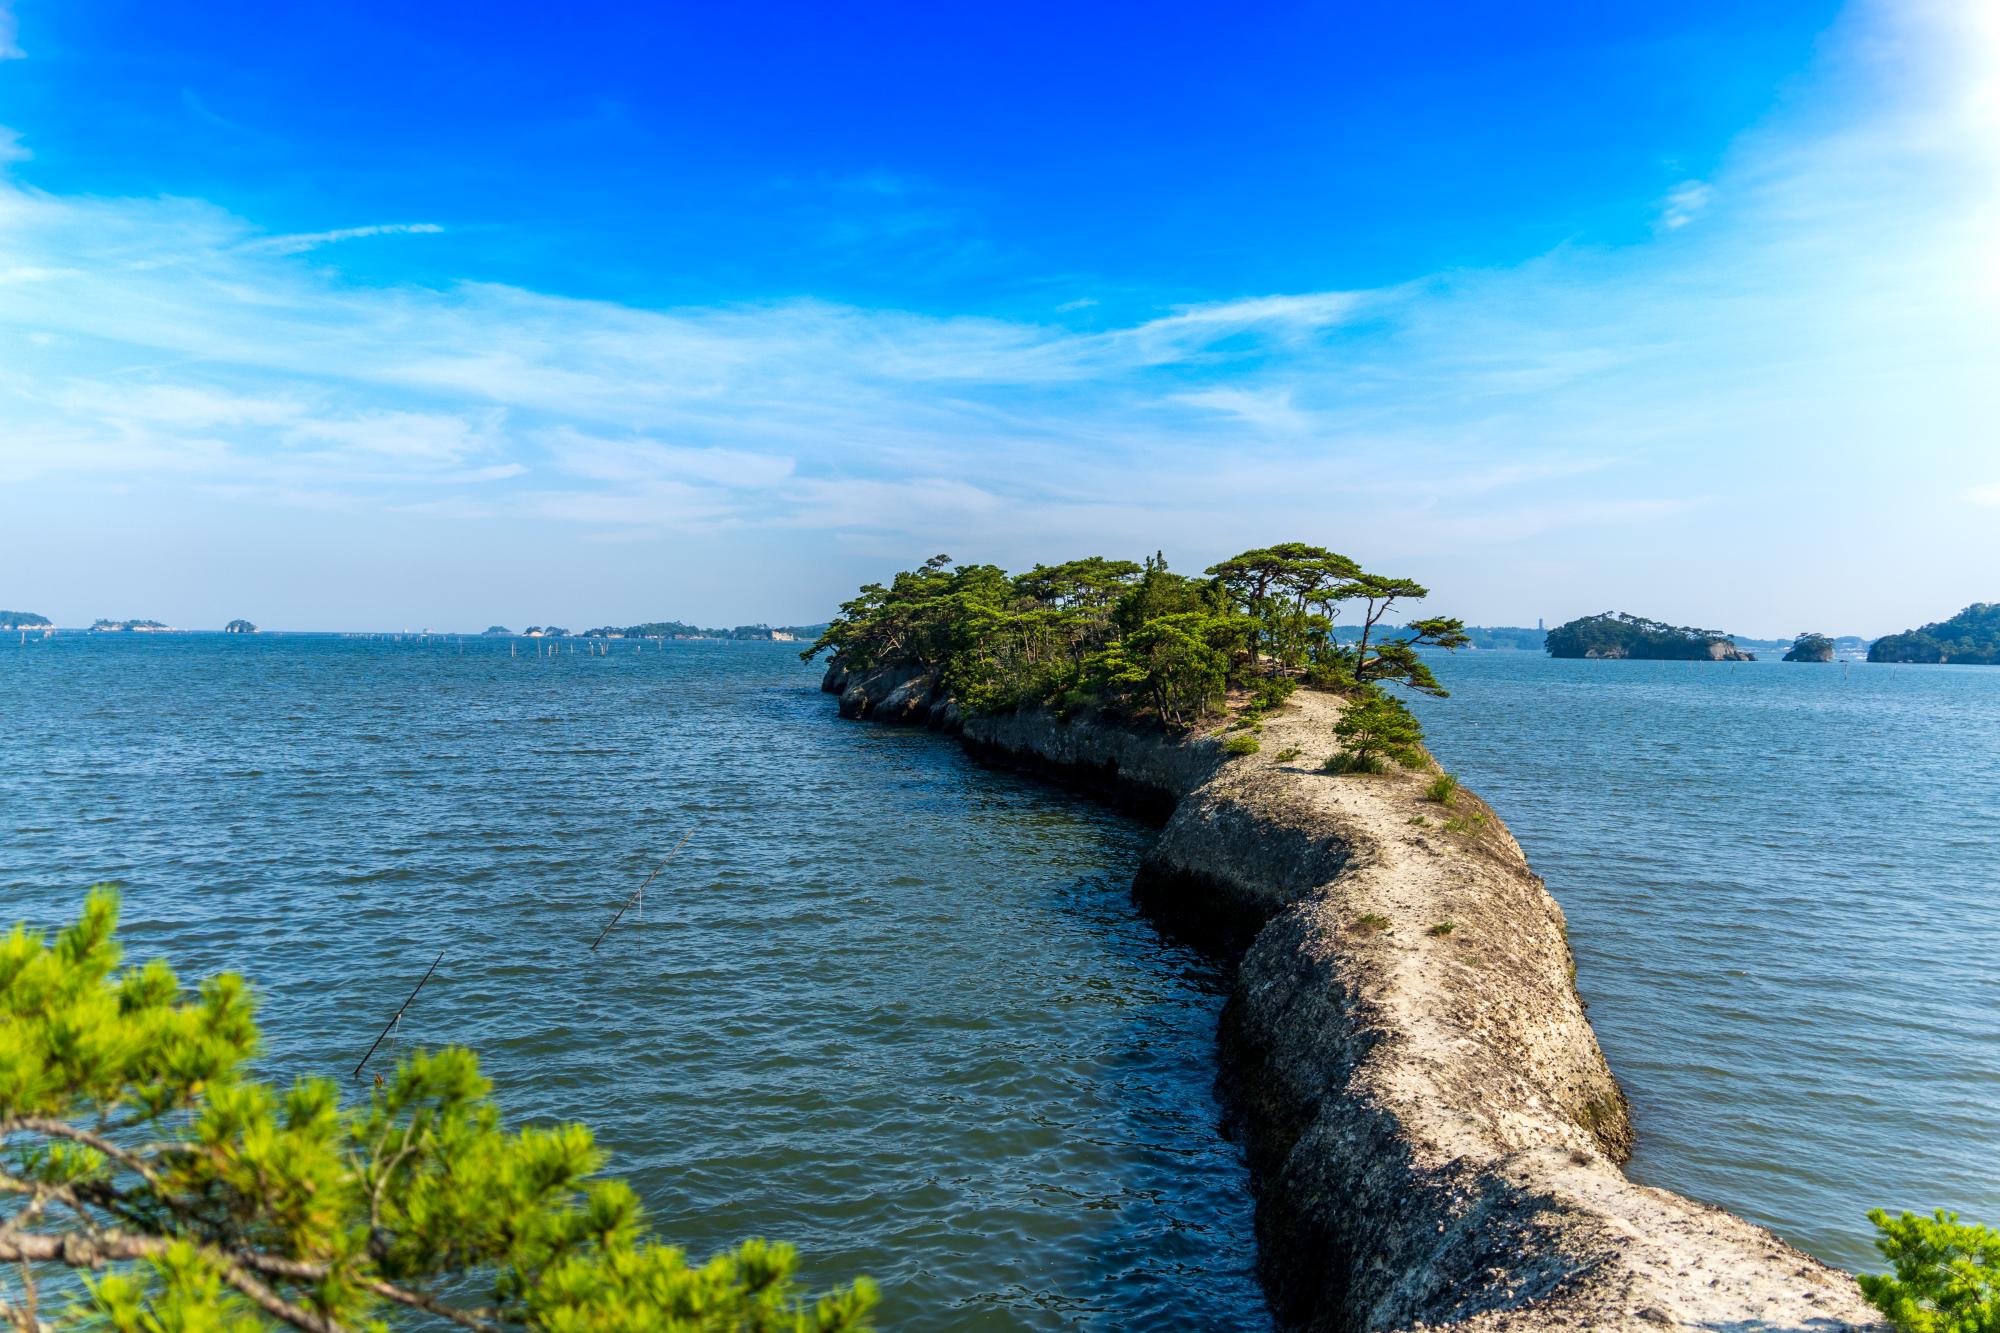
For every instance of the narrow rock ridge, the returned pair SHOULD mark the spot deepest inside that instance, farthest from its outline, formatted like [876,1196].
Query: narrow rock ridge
[1433,1131]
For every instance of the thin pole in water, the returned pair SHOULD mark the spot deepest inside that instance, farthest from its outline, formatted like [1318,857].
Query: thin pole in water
[641,889]
[397,1016]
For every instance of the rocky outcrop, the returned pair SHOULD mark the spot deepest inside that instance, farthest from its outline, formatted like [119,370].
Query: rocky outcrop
[1435,1135]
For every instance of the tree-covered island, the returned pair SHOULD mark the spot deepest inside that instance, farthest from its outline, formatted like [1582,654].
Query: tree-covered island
[1137,639]
[1618,634]
[23,620]
[1971,637]
[128,627]
[675,629]
[239,627]
[1810,647]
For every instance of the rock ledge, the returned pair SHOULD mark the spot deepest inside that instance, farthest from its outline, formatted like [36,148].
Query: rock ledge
[1434,1133]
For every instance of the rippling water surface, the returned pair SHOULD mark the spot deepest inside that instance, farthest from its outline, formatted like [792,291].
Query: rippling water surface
[885,1005]
[899,1010]
[1783,888]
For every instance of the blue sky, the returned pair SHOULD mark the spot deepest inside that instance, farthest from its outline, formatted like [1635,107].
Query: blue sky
[392,315]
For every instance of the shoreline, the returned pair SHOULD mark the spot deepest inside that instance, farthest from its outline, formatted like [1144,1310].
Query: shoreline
[1435,1137]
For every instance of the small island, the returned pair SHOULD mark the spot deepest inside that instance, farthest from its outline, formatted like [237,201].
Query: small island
[129,627]
[1619,634]
[239,627]
[1972,637]
[1810,648]
[23,620]
[675,629]
[495,631]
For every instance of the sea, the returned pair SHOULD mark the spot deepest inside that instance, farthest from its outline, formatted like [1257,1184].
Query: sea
[899,1011]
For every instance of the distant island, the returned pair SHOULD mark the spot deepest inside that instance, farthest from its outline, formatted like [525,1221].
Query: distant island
[1509,638]
[664,629]
[23,620]
[239,627]
[128,626]
[1971,637]
[674,629]
[1619,634]
[1853,645]
[1810,648]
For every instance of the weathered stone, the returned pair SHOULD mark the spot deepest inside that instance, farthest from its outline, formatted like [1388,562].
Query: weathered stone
[1433,1129]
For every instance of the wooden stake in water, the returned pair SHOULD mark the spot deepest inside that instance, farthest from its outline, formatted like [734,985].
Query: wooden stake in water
[397,1017]
[641,889]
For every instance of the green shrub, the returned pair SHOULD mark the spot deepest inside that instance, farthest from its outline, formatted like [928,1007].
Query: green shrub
[208,1200]
[1242,745]
[1270,691]
[1946,1278]
[1374,727]
[1442,928]
[1443,789]
[1468,823]
[1289,753]
[1419,821]
[1346,761]
[1371,922]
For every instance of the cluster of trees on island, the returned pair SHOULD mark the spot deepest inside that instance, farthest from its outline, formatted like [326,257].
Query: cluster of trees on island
[1621,634]
[1970,637]
[665,629]
[1136,638]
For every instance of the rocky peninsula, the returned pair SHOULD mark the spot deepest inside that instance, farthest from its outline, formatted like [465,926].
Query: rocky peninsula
[1434,1133]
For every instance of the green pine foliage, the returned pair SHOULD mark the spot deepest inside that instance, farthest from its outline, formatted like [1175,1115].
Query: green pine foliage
[1373,730]
[1139,638]
[136,1149]
[1621,634]
[1946,1278]
[1972,636]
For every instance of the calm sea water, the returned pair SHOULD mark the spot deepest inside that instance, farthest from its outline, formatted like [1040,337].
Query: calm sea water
[898,1009]
[885,1005]
[1783,888]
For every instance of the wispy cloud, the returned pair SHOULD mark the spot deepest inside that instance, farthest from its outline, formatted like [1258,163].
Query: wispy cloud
[1684,203]
[1812,327]
[301,242]
[10,34]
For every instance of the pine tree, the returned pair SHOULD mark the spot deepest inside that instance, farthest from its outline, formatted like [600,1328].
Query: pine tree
[135,1148]
[1373,728]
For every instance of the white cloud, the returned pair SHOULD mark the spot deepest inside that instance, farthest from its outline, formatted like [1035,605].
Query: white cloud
[427,438]
[1830,324]
[1266,409]
[1988,495]
[1684,203]
[303,241]
[10,32]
